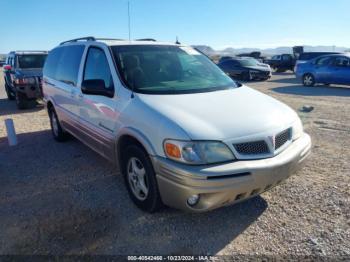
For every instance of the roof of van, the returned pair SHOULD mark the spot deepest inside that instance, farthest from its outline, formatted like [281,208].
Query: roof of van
[116,42]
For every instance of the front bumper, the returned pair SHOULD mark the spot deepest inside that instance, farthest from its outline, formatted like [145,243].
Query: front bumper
[260,75]
[225,184]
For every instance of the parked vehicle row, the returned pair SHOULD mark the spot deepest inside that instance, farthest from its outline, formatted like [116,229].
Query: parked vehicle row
[23,77]
[181,131]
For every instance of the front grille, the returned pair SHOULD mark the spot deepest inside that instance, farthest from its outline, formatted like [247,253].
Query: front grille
[282,138]
[252,148]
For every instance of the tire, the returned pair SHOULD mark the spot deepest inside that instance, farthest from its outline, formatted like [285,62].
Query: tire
[246,76]
[58,133]
[10,95]
[308,80]
[140,179]
[23,102]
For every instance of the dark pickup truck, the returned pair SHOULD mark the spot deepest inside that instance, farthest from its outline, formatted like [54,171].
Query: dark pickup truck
[281,63]
[23,76]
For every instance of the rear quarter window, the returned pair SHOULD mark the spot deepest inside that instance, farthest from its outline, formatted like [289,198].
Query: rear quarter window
[63,63]
[51,63]
[69,63]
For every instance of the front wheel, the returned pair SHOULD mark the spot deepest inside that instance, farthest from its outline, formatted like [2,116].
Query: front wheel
[308,80]
[140,179]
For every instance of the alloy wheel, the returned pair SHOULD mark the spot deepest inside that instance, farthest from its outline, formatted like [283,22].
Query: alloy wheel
[308,80]
[137,178]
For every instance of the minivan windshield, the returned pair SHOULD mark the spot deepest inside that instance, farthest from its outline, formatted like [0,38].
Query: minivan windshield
[31,61]
[163,69]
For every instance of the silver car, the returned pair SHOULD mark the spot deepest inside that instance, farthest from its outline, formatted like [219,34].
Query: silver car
[181,131]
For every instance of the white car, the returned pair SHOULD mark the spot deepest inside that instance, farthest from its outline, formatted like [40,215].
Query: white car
[181,132]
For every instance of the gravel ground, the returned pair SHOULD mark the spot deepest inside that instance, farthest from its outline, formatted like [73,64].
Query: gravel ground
[65,199]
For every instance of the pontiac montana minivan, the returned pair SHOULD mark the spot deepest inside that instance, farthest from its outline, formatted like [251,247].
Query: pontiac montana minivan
[181,132]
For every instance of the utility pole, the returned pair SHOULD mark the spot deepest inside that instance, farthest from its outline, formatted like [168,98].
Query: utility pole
[129,20]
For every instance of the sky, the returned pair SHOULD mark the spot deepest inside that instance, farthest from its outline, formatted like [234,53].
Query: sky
[43,24]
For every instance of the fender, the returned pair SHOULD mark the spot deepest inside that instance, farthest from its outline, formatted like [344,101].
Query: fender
[139,136]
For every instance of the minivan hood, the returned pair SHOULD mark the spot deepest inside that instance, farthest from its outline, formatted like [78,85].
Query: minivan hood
[222,115]
[29,72]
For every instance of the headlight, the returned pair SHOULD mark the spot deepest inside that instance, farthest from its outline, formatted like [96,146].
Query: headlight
[297,129]
[197,152]
[254,71]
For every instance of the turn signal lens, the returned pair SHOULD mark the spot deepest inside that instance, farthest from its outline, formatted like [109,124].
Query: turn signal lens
[172,150]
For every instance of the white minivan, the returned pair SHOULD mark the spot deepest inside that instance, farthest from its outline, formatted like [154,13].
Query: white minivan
[181,132]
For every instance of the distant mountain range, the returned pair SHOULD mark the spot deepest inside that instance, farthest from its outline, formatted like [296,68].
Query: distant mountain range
[268,51]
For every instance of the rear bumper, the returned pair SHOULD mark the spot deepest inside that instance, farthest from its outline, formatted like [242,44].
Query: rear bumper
[31,91]
[225,184]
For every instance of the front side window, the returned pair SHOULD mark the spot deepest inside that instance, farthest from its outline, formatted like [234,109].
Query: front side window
[31,61]
[342,61]
[97,67]
[162,69]
[286,57]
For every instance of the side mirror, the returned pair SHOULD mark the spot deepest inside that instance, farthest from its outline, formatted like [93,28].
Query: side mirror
[96,87]
[8,67]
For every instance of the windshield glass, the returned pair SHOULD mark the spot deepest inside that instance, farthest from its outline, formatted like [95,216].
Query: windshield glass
[31,61]
[248,62]
[158,69]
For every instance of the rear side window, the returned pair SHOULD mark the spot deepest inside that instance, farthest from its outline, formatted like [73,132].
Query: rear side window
[342,61]
[69,63]
[51,63]
[97,67]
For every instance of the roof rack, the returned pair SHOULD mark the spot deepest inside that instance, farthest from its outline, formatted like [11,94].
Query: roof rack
[107,39]
[87,38]
[29,51]
[90,38]
[146,39]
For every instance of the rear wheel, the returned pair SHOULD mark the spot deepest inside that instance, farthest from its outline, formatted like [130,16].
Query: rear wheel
[308,80]
[10,95]
[23,102]
[56,129]
[140,179]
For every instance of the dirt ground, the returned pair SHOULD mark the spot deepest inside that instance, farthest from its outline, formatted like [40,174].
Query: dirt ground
[62,198]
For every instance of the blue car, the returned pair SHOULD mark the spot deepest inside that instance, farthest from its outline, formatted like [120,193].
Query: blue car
[328,69]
